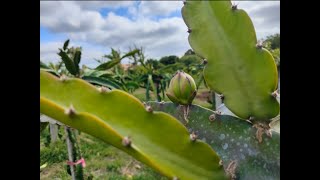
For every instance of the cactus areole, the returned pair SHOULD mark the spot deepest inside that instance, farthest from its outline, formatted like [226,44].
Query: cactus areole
[182,89]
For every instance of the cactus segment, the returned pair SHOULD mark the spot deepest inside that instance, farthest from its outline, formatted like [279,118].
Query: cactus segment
[234,140]
[246,75]
[156,138]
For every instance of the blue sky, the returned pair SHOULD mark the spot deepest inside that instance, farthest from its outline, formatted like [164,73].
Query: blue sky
[156,25]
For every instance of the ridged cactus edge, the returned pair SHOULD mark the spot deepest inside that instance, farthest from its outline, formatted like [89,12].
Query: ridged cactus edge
[154,138]
[233,139]
[238,67]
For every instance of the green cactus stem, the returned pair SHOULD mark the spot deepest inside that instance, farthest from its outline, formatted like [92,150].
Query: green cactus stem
[156,138]
[237,66]
[234,140]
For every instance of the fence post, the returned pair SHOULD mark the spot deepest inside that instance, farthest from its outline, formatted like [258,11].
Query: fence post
[70,152]
[53,132]
[217,100]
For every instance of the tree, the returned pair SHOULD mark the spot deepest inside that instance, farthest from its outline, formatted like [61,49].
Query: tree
[155,64]
[274,41]
[190,59]
[189,52]
[169,60]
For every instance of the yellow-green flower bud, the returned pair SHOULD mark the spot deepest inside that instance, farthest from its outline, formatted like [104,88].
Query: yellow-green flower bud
[182,89]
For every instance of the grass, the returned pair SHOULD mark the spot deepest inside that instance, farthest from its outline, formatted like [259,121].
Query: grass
[103,161]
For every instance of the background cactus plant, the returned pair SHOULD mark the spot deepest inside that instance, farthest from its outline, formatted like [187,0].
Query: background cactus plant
[237,66]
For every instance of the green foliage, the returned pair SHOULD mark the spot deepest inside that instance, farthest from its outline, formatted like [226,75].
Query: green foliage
[108,74]
[68,62]
[79,172]
[276,54]
[148,174]
[150,74]
[108,116]
[188,60]
[77,56]
[43,126]
[44,67]
[189,52]
[71,58]
[131,53]
[244,73]
[95,73]
[106,82]
[99,158]
[169,60]
[272,43]
[192,64]
[115,58]
[154,64]
[54,153]
[233,139]
[113,166]
[108,64]
[66,44]
[46,140]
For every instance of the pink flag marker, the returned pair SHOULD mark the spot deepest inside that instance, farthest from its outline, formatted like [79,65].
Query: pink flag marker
[80,161]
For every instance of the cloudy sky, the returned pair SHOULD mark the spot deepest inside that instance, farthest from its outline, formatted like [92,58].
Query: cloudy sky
[97,26]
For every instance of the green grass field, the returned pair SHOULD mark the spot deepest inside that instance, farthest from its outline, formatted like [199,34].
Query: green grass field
[103,161]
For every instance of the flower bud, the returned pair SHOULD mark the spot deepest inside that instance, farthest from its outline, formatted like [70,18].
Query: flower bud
[182,89]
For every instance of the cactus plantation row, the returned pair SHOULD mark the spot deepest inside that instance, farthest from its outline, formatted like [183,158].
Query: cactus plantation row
[178,139]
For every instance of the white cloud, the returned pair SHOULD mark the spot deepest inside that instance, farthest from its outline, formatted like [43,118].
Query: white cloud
[255,5]
[67,16]
[49,50]
[82,22]
[265,16]
[96,5]
[159,8]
